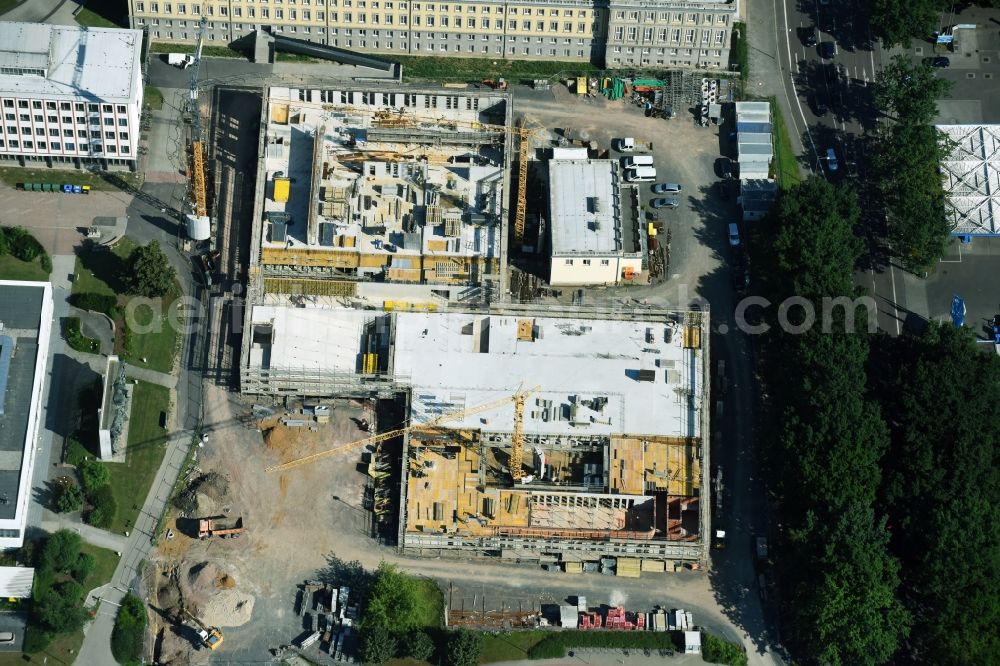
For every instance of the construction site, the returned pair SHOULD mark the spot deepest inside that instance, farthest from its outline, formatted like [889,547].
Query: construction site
[395,195]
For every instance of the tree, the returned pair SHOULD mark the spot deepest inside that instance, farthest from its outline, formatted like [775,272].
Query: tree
[463,648]
[104,508]
[940,395]
[909,92]
[844,605]
[129,631]
[67,497]
[897,22]
[61,551]
[58,609]
[149,272]
[94,474]
[393,600]
[378,645]
[417,645]
[815,245]
[83,567]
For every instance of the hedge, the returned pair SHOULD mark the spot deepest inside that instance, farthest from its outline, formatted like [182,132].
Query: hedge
[130,629]
[718,651]
[96,303]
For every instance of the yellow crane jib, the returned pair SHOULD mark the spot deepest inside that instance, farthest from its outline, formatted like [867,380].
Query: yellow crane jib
[521,395]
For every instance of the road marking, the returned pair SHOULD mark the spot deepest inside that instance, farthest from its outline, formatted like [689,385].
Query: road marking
[895,306]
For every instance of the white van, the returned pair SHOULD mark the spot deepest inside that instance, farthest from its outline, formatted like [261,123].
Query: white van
[627,144]
[638,161]
[640,174]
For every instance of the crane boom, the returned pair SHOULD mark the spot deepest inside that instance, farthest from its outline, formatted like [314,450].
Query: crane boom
[522,187]
[429,425]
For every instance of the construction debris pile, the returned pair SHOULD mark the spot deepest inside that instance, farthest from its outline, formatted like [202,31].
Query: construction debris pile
[331,614]
[206,495]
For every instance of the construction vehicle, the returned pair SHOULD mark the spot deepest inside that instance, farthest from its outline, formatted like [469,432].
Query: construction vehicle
[213,527]
[496,84]
[210,637]
[517,440]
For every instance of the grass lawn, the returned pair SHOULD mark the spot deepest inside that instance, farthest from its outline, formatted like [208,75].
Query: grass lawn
[152,97]
[786,163]
[430,610]
[207,51]
[512,646]
[477,69]
[64,649]
[12,268]
[7,5]
[14,175]
[100,272]
[130,481]
[92,19]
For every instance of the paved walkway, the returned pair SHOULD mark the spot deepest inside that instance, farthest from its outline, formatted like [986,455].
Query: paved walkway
[151,376]
[92,535]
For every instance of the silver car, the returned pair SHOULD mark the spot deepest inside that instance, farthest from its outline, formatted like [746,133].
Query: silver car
[665,202]
[667,188]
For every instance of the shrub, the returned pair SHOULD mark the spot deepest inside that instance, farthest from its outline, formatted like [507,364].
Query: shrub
[96,303]
[58,609]
[718,651]
[22,244]
[103,508]
[94,474]
[83,567]
[46,262]
[378,645]
[60,551]
[130,627]
[67,497]
[463,648]
[555,645]
[417,645]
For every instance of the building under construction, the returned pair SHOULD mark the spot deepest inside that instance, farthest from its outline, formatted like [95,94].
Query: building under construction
[559,435]
[382,197]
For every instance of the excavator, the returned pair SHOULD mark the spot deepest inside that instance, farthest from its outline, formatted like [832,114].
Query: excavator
[210,637]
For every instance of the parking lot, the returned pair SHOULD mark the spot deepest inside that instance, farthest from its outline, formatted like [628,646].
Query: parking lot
[683,153]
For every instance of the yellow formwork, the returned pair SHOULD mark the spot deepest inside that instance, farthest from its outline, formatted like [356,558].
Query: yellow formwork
[308,257]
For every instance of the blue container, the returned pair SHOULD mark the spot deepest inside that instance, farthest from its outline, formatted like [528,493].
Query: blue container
[77,189]
[67,188]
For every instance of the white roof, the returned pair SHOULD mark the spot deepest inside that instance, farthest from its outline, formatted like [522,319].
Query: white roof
[16,582]
[312,338]
[753,107]
[972,179]
[459,360]
[101,63]
[585,206]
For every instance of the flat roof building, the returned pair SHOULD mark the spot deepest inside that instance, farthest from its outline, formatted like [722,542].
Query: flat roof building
[611,424]
[593,215]
[972,179]
[70,94]
[754,149]
[26,318]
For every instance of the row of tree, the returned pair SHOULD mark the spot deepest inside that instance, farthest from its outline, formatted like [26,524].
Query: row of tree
[58,593]
[906,159]
[875,489]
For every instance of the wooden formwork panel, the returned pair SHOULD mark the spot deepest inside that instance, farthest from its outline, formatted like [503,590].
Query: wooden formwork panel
[374,260]
[307,257]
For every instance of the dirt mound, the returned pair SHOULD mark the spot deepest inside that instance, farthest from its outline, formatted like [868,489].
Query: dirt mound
[227,608]
[224,581]
[203,495]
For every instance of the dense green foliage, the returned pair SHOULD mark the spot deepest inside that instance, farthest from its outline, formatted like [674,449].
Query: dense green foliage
[94,474]
[19,243]
[130,628]
[57,596]
[463,648]
[897,22]
[715,650]
[940,395]
[554,646]
[824,457]
[96,303]
[398,602]
[739,53]
[416,645]
[103,507]
[66,496]
[906,159]
[378,645]
[148,271]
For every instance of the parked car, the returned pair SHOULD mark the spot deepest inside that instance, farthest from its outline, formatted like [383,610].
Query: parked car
[828,49]
[6,637]
[741,273]
[809,36]
[941,61]
[665,202]
[831,159]
[664,188]
[734,234]
[817,105]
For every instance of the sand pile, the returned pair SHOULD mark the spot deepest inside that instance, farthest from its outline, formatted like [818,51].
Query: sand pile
[227,608]
[212,592]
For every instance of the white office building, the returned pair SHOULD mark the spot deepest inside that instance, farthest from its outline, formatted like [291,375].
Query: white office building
[594,221]
[71,96]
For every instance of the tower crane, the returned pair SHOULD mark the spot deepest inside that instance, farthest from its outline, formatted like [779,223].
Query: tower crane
[517,445]
[198,189]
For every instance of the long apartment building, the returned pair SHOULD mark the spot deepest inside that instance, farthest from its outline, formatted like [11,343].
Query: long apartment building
[628,33]
[70,95]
